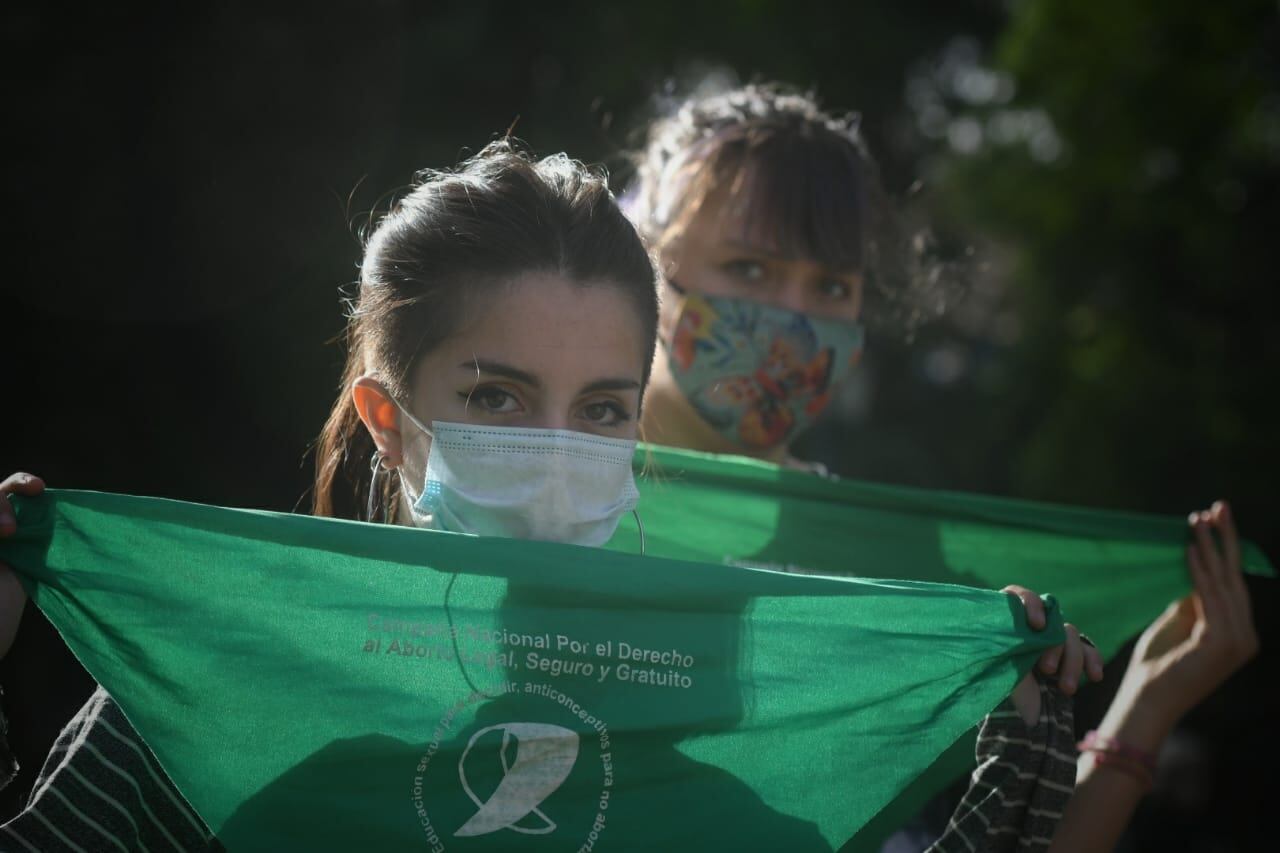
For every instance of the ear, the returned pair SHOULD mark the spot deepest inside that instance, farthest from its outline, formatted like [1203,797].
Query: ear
[380,417]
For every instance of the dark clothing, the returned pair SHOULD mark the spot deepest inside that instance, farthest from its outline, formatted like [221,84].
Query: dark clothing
[43,686]
[101,788]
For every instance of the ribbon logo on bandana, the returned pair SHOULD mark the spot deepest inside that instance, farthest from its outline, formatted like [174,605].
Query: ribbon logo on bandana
[544,755]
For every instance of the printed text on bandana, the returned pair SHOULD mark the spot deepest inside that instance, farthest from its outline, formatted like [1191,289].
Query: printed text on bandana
[543,655]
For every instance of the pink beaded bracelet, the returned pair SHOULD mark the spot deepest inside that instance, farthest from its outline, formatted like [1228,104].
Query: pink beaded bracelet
[1094,742]
[1109,752]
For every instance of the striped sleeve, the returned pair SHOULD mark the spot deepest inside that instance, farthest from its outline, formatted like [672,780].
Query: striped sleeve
[101,788]
[8,764]
[1025,776]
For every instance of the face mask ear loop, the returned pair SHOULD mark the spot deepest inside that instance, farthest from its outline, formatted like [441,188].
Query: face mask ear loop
[640,526]
[375,467]
[404,410]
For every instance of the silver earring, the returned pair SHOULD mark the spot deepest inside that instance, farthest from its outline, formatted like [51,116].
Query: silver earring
[375,467]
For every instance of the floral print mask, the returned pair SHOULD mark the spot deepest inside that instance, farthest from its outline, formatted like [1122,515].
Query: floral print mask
[757,373]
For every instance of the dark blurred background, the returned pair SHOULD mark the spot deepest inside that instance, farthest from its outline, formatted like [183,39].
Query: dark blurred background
[186,187]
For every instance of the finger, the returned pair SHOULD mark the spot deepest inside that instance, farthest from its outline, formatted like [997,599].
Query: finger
[22,483]
[1212,607]
[1093,662]
[1072,661]
[1236,592]
[1051,660]
[1030,602]
[1210,557]
[1230,539]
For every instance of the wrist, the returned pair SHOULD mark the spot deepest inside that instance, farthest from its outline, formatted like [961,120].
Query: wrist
[1138,725]
[1119,765]
[1139,720]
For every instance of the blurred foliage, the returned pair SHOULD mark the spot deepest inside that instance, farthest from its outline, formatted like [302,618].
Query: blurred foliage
[1146,252]
[1117,167]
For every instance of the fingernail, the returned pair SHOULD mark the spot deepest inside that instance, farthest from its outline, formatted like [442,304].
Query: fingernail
[1069,686]
[1192,518]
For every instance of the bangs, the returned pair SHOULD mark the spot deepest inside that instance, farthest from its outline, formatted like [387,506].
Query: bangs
[803,195]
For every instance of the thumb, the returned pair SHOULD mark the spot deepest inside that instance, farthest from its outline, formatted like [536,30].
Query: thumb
[1182,610]
[1169,627]
[1186,609]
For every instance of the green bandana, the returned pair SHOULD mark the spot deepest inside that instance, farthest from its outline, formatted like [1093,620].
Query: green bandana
[321,684]
[1113,572]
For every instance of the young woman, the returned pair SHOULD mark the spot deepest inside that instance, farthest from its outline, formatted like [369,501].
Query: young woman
[510,292]
[770,229]
[510,304]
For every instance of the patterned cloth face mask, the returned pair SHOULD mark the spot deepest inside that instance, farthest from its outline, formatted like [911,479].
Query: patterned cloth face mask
[550,484]
[756,373]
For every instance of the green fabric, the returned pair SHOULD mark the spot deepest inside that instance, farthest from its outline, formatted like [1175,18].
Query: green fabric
[321,684]
[1113,572]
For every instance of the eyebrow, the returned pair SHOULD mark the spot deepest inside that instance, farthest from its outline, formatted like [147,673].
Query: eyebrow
[756,249]
[765,252]
[497,368]
[618,384]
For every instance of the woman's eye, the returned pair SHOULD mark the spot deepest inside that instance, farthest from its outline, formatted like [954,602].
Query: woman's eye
[745,270]
[835,288]
[492,400]
[605,413]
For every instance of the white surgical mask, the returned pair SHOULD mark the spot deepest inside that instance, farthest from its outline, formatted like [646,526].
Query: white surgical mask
[551,484]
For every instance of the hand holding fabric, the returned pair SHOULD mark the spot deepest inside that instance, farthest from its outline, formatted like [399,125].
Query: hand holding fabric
[12,596]
[1196,644]
[1068,660]
[1182,657]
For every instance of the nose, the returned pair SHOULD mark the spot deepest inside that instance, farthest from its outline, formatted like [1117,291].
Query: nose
[793,294]
[557,418]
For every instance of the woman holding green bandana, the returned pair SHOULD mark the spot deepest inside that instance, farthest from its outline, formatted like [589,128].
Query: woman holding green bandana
[498,349]
[769,225]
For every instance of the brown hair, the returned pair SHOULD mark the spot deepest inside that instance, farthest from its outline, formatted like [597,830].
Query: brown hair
[458,235]
[804,177]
